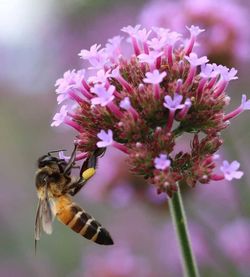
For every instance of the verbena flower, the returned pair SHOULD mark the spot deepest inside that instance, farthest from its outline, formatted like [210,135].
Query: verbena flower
[226,22]
[142,102]
[162,162]
[231,171]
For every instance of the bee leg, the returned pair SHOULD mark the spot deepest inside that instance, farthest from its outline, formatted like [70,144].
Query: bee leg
[91,162]
[87,171]
[71,161]
[75,187]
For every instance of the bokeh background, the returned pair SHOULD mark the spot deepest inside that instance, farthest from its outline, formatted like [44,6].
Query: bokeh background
[39,41]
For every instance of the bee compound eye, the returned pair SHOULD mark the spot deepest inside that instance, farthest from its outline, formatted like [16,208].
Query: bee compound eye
[41,179]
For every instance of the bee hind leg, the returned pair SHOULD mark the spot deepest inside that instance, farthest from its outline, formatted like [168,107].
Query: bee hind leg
[91,162]
[88,169]
[75,187]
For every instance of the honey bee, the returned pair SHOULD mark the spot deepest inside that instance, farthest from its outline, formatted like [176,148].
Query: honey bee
[55,186]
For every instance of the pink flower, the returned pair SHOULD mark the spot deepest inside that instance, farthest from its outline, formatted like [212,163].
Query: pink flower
[162,162]
[173,104]
[245,104]
[195,61]
[154,77]
[106,138]
[71,81]
[149,58]
[104,96]
[172,37]
[132,31]
[64,83]
[157,44]
[226,73]
[115,42]
[230,170]
[207,71]
[112,48]
[195,30]
[125,103]
[59,118]
[95,56]
[143,35]
[100,77]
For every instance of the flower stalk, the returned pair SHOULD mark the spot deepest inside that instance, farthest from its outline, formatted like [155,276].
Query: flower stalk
[178,216]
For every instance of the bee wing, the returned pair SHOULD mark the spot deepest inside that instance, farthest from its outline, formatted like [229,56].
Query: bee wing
[38,221]
[46,216]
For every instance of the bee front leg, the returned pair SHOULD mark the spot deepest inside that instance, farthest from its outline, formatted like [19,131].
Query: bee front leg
[71,161]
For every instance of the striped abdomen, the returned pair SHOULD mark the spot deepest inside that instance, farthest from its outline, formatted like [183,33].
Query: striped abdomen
[81,222]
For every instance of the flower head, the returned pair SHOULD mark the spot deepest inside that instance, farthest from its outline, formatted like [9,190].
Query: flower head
[147,100]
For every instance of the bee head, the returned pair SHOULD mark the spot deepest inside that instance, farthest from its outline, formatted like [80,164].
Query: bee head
[50,161]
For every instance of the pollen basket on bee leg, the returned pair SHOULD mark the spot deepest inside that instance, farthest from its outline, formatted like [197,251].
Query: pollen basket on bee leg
[88,173]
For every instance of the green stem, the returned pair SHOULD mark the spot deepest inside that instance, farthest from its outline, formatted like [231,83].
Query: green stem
[180,223]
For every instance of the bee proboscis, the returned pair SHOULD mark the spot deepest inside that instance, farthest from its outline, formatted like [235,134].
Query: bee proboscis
[55,186]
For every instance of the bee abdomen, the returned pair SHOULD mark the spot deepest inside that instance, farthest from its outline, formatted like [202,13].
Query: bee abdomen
[84,224]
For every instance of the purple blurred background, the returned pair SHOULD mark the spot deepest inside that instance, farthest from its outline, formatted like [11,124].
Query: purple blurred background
[39,41]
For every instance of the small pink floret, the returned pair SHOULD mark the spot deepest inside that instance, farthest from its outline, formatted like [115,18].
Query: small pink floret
[154,77]
[59,118]
[162,162]
[230,170]
[106,138]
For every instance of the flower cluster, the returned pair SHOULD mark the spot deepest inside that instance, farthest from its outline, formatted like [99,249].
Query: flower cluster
[142,102]
[227,36]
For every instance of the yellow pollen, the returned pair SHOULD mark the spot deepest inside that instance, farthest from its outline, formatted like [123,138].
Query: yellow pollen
[88,173]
